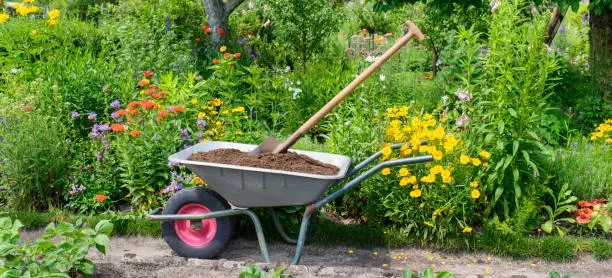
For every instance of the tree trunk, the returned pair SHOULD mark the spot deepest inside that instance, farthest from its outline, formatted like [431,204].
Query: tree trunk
[601,53]
[553,26]
[217,17]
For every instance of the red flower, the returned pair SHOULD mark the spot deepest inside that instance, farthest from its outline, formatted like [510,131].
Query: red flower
[197,39]
[147,104]
[28,108]
[215,61]
[162,113]
[148,73]
[100,197]
[122,112]
[237,55]
[117,127]
[151,90]
[226,54]
[220,32]
[176,109]
[206,29]
[135,133]
[159,95]
[229,68]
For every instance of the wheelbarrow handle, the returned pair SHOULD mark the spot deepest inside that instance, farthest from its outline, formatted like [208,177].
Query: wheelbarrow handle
[375,156]
[356,181]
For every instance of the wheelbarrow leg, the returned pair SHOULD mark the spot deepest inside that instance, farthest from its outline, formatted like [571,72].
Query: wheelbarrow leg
[301,239]
[260,235]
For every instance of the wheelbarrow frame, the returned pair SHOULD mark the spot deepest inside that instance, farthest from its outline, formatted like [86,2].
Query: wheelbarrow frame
[310,209]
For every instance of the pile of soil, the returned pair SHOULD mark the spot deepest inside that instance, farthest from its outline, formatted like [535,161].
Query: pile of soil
[288,161]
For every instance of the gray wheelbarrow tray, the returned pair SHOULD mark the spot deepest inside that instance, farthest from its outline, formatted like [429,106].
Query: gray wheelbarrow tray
[246,187]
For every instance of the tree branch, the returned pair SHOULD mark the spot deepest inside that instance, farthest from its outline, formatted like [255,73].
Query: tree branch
[230,5]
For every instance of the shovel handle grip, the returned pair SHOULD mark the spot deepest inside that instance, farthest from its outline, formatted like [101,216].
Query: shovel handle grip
[413,31]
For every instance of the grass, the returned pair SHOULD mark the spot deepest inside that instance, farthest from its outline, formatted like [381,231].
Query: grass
[547,248]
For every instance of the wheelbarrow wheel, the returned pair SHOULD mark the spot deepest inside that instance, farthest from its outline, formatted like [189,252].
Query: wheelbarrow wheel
[203,239]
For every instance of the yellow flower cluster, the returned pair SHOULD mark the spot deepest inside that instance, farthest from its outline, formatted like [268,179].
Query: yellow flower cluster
[4,17]
[464,159]
[25,10]
[53,15]
[603,131]
[213,114]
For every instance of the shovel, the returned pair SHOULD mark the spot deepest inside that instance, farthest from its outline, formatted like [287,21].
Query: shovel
[271,145]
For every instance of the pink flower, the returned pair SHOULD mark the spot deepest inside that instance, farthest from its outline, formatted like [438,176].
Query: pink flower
[461,122]
[463,94]
[494,5]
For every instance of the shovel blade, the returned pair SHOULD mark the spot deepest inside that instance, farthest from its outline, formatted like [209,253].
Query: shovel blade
[267,146]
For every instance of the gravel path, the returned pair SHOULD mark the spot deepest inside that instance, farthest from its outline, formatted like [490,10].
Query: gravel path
[150,257]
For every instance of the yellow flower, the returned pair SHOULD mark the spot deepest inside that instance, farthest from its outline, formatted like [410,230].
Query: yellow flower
[386,151]
[446,179]
[386,171]
[4,17]
[28,1]
[385,265]
[436,169]
[223,48]
[429,178]
[404,181]
[52,22]
[215,102]
[375,253]
[476,161]
[428,224]
[403,172]
[486,164]
[350,251]
[464,159]
[53,14]
[412,180]
[238,109]
[608,140]
[423,149]
[194,101]
[445,173]
[437,155]
[201,115]
[33,33]
[439,133]
[474,184]
[467,230]
[416,186]
[406,152]
[415,193]
[484,154]
[475,193]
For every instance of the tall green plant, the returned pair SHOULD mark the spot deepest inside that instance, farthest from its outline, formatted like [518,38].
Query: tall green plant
[508,83]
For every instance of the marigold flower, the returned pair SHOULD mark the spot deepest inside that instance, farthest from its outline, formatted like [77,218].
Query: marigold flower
[403,172]
[223,48]
[226,54]
[446,179]
[53,14]
[437,155]
[238,109]
[467,230]
[198,180]
[144,82]
[162,113]
[436,169]
[464,159]
[122,112]
[4,17]
[404,181]
[474,184]
[135,133]
[100,197]
[386,151]
[117,127]
[429,178]
[215,61]
[148,73]
[52,22]
[415,193]
[475,193]
[445,173]
[386,171]
[484,154]
[33,33]
[476,161]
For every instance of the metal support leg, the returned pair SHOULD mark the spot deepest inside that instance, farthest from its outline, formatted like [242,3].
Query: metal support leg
[301,239]
[281,229]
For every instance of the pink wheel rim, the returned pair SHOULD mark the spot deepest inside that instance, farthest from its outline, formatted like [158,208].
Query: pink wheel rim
[191,234]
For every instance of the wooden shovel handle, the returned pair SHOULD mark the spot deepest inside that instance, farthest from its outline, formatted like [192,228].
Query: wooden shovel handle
[413,32]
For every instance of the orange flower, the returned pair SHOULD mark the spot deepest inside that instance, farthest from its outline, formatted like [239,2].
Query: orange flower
[100,197]
[176,109]
[215,61]
[206,29]
[147,104]
[134,111]
[198,180]
[135,133]
[220,32]
[117,128]
[28,108]
[226,54]
[162,113]
[122,112]
[364,31]
[144,82]
[130,119]
[237,55]
[151,90]
[197,39]
[159,95]
[229,68]
[148,73]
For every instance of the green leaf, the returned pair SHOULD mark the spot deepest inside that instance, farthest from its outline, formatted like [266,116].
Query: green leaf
[86,267]
[407,274]
[55,275]
[429,273]
[554,275]
[547,226]
[498,193]
[102,239]
[512,112]
[104,227]
[101,248]
[444,274]
[515,147]
[6,248]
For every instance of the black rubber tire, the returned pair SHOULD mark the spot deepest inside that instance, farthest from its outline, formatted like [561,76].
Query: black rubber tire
[214,202]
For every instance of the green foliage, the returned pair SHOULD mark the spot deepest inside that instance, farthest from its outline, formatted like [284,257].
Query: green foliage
[60,252]
[557,275]
[303,25]
[562,203]
[255,271]
[428,273]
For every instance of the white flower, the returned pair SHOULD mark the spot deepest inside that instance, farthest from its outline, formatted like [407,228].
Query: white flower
[14,71]
[348,123]
[298,82]
[381,77]
[371,59]
[287,69]
[296,92]
[444,99]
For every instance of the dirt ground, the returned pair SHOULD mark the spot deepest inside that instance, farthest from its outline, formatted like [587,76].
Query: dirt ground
[150,257]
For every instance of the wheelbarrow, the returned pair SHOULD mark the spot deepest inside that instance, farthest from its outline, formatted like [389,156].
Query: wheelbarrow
[196,221]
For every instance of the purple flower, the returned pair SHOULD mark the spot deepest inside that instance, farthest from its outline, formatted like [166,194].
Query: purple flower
[115,116]
[584,19]
[548,49]
[243,12]
[562,30]
[438,62]
[461,122]
[172,163]
[251,5]
[463,94]
[494,5]
[92,116]
[74,114]
[115,104]
[265,6]
[586,65]
[534,10]
[201,123]
[185,133]
[1,188]
[76,189]
[168,24]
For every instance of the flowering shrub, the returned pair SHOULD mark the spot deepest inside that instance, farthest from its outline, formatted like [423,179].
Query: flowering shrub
[129,147]
[603,131]
[437,198]
[594,213]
